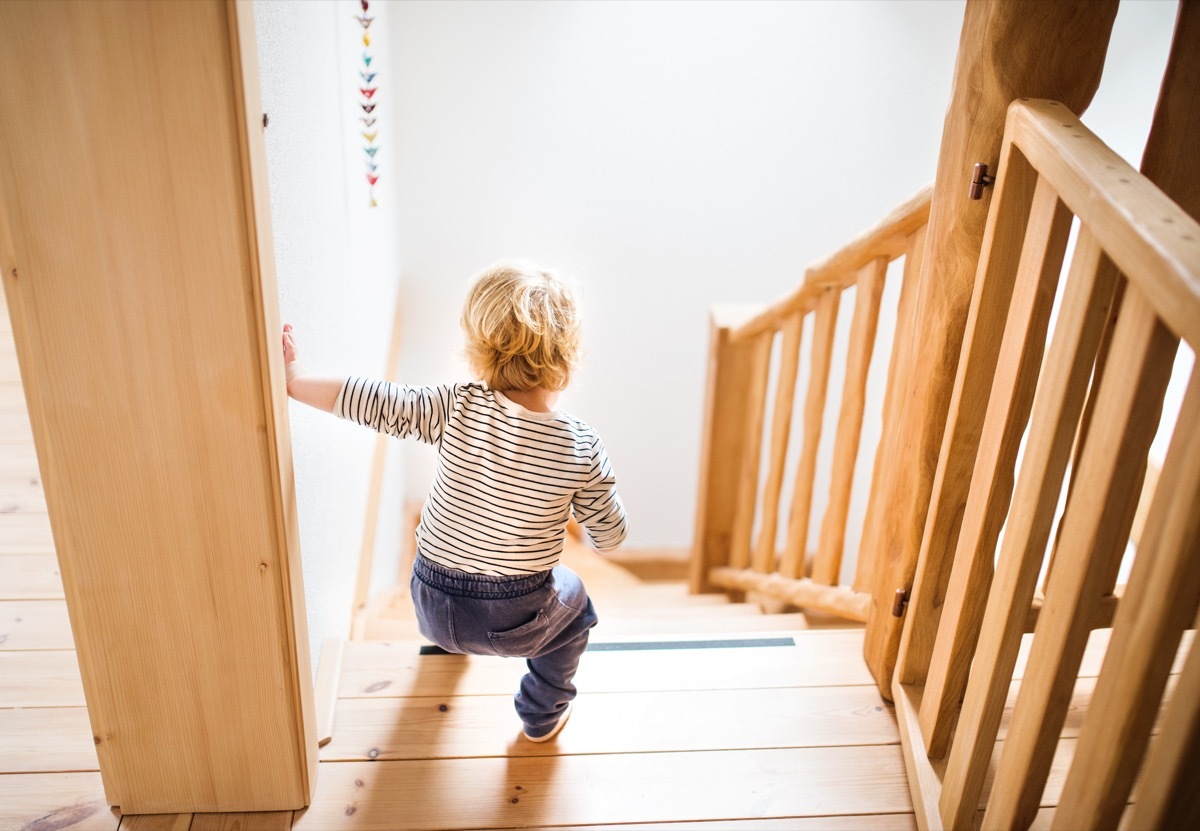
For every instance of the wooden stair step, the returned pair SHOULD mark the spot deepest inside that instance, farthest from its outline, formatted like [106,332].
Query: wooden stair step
[833,658]
[30,577]
[46,739]
[562,790]
[40,678]
[691,625]
[858,822]
[34,624]
[367,729]
[55,800]
[21,493]
[25,533]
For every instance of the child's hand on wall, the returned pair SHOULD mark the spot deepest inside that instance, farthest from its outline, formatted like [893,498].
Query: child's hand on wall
[290,365]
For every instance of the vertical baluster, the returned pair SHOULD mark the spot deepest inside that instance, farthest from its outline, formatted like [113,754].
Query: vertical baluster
[1095,528]
[1013,384]
[781,423]
[747,486]
[724,438]
[1168,796]
[1056,412]
[824,326]
[1002,241]
[1159,604]
[828,564]
[868,572]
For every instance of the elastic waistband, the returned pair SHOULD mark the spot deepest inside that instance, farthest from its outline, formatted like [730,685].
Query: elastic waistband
[479,586]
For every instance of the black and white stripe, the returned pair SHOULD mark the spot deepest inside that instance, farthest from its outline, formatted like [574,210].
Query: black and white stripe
[507,478]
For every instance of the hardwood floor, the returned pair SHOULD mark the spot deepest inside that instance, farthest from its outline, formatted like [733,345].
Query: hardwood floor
[787,735]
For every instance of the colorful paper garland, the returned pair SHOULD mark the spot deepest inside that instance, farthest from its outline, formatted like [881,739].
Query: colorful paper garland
[368,105]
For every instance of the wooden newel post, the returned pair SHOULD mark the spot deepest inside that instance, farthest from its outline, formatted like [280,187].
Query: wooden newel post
[723,444]
[1008,49]
[138,264]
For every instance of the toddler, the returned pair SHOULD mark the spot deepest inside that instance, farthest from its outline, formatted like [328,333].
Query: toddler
[511,469]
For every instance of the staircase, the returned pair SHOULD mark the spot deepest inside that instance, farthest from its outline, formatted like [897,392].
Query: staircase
[694,712]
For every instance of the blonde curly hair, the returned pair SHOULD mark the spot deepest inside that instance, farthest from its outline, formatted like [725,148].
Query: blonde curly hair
[522,327]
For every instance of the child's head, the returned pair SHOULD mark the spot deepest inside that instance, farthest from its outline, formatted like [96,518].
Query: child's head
[522,327]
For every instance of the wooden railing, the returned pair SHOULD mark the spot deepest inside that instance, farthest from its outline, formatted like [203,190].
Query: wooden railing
[1090,404]
[731,550]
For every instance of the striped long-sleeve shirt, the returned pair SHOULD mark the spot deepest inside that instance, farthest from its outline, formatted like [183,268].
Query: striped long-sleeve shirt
[507,478]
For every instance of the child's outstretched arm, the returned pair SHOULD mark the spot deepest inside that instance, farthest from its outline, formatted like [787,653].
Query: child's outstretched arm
[321,393]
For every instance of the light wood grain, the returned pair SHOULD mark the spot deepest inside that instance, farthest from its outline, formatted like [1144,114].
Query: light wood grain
[820,658]
[781,423]
[254,821]
[61,801]
[755,402]
[998,266]
[867,576]
[859,822]
[40,679]
[827,566]
[824,329]
[485,725]
[1056,410]
[1061,48]
[325,694]
[1160,603]
[30,577]
[156,822]
[159,488]
[1152,240]
[803,592]
[25,533]
[21,494]
[1014,378]
[547,791]
[723,444]
[1167,796]
[34,624]
[46,739]
[1095,528]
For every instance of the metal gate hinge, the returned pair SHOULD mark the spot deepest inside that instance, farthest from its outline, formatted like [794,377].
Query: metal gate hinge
[900,602]
[979,180]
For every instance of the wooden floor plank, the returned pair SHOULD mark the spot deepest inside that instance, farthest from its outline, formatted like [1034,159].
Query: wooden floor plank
[21,493]
[30,577]
[34,624]
[649,627]
[259,821]
[156,822]
[25,533]
[825,658]
[367,729]
[40,679]
[549,790]
[859,822]
[18,460]
[41,739]
[58,801]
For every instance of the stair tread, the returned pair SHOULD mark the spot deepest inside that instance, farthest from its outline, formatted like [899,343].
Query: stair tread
[368,729]
[827,658]
[390,629]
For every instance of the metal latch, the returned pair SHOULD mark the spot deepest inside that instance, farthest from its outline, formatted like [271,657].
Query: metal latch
[899,603]
[979,181]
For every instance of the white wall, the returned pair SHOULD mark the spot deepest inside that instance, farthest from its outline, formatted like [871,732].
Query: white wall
[669,156]
[338,269]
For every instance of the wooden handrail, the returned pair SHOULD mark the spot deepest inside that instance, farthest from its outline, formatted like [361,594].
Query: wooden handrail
[889,238]
[954,693]
[743,338]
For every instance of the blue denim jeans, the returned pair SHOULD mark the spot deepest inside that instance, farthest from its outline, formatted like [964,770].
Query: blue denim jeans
[542,617]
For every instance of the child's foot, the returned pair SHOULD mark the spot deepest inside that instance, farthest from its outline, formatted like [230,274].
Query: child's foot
[554,731]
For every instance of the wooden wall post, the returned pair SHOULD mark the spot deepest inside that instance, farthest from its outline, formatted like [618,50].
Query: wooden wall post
[138,265]
[727,431]
[1008,49]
